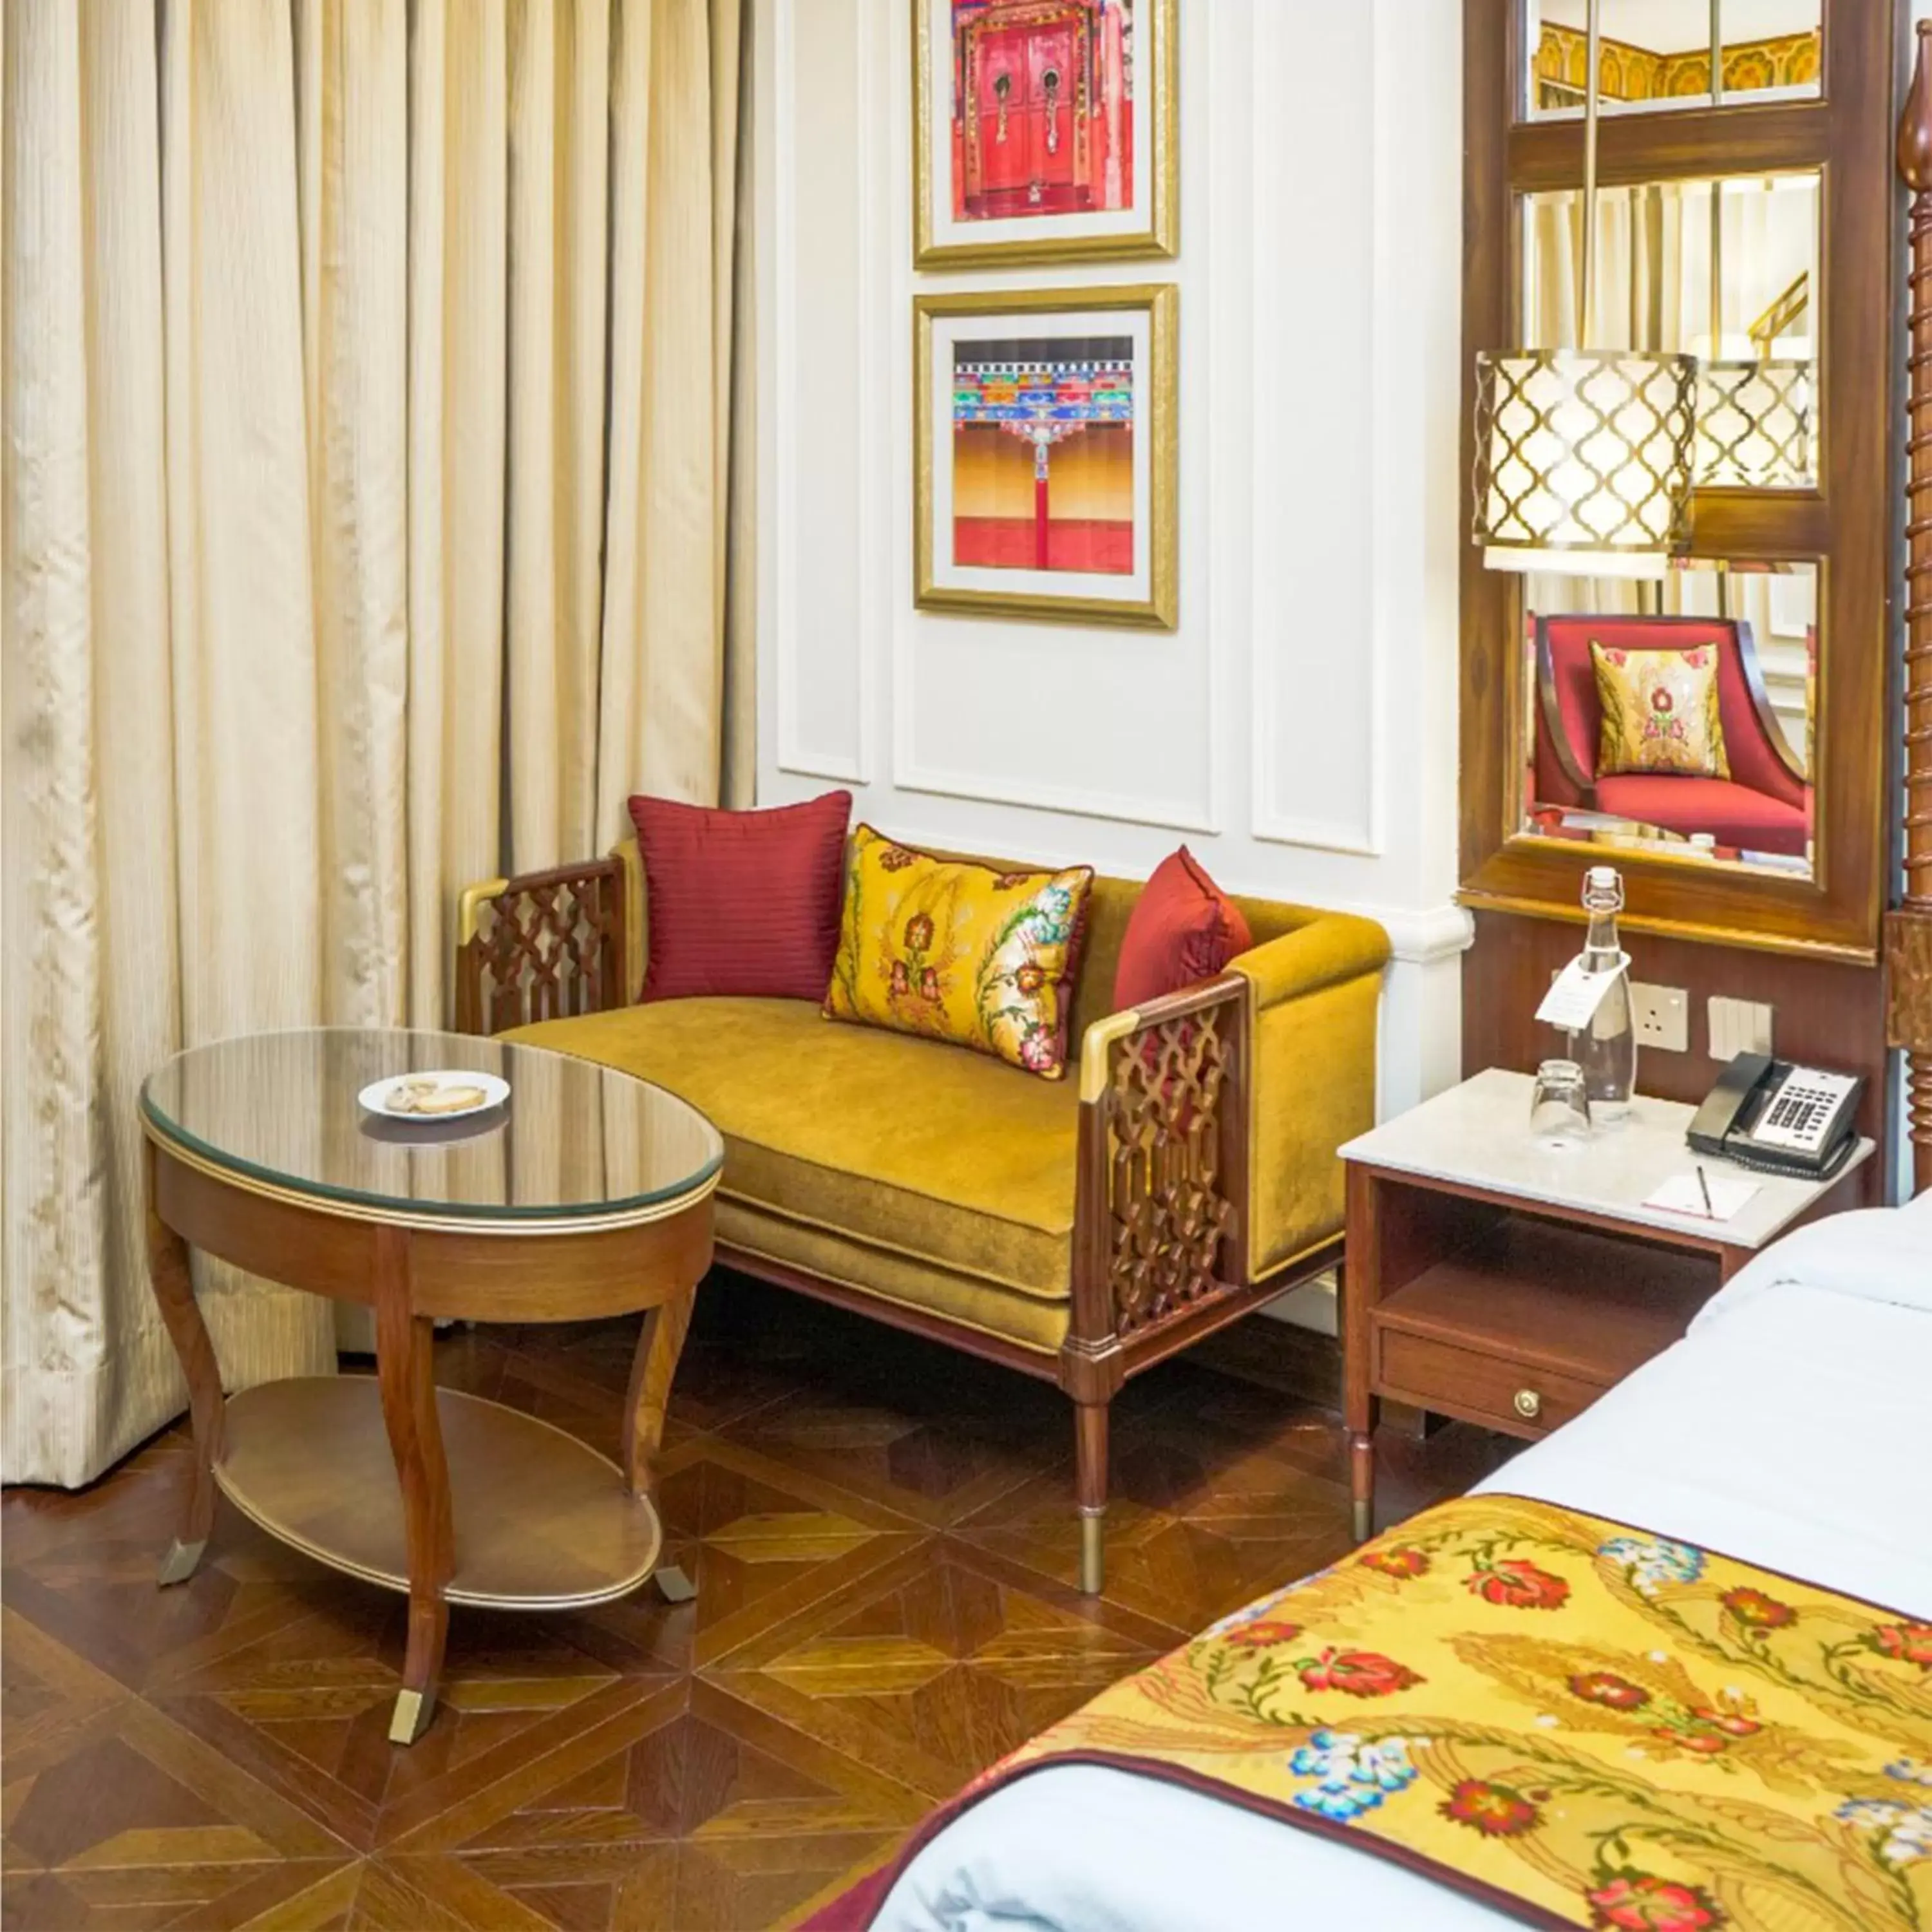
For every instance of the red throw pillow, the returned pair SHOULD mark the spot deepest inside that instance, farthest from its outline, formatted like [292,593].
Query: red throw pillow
[1183,929]
[741,902]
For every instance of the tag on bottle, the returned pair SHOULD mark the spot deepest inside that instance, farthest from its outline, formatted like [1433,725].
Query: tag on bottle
[1574,995]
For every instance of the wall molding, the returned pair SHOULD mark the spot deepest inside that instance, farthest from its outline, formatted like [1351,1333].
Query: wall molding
[1198,653]
[1074,801]
[877,579]
[1424,938]
[1311,835]
[795,758]
[1271,294]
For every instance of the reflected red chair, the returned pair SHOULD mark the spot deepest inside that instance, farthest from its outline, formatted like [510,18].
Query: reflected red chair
[1766,804]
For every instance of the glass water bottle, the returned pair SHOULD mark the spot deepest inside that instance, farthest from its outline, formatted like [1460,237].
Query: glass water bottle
[1606,1048]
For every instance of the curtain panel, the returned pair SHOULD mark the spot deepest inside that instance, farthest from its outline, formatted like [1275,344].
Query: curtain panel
[368,370]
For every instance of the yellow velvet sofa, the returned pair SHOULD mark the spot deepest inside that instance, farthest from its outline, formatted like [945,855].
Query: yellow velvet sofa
[1078,1230]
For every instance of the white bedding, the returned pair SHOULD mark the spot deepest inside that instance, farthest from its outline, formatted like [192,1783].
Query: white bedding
[1787,1429]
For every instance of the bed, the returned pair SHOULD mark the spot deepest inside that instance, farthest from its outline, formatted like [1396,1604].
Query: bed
[1788,1428]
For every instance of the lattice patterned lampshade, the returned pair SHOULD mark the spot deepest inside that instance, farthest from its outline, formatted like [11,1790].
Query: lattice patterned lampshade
[1754,424]
[1583,460]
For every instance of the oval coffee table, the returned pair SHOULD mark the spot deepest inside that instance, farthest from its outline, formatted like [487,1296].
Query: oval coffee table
[587,1193]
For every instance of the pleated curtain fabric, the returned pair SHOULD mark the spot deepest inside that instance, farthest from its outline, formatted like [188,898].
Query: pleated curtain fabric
[367,387]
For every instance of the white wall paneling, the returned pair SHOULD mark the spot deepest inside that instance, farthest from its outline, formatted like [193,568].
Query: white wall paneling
[818,393]
[1317,714]
[1298,727]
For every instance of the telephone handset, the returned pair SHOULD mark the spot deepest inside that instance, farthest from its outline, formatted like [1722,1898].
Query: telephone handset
[1777,1118]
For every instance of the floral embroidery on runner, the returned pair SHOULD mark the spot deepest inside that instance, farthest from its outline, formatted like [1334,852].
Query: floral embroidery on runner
[1588,1724]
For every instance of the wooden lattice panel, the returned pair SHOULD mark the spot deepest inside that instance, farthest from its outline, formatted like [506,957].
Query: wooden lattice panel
[1168,1206]
[546,947]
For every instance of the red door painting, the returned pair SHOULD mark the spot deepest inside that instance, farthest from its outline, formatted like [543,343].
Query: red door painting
[1024,156]
[1037,107]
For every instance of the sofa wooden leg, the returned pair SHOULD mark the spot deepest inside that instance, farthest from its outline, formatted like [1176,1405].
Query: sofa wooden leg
[1089,1440]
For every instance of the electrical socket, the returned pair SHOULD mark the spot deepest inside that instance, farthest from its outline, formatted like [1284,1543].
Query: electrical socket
[1663,1017]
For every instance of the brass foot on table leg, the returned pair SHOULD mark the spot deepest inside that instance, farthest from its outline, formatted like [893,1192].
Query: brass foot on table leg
[180,1562]
[1364,1517]
[411,1716]
[673,1585]
[1093,1551]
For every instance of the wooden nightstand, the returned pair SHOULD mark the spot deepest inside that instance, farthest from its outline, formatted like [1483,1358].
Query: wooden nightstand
[1493,1278]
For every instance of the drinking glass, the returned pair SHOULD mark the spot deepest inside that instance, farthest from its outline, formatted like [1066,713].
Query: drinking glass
[1559,1105]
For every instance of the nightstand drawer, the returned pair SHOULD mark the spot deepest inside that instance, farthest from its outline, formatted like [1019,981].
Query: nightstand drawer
[1489,1389]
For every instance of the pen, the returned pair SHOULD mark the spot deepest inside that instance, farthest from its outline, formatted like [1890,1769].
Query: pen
[1704,1188]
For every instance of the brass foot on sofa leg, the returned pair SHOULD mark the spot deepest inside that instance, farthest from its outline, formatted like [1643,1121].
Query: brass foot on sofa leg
[1093,1551]
[1363,1512]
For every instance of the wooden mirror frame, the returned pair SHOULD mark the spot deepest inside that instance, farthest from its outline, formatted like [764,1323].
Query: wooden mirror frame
[1846,522]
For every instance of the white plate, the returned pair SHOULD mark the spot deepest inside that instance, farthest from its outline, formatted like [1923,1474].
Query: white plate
[375,1097]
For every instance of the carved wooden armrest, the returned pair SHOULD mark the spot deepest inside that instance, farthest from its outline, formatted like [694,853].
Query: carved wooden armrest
[1161,1196]
[543,947]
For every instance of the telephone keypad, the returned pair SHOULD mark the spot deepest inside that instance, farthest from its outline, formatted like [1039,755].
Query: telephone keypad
[1802,1109]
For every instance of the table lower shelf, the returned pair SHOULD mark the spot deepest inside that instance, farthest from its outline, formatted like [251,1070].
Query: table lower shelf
[540,1520]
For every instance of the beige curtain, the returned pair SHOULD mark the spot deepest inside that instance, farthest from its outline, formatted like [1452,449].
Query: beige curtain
[367,384]
[1652,283]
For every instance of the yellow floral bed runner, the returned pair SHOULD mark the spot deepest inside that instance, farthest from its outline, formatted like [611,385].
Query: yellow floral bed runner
[1583,1723]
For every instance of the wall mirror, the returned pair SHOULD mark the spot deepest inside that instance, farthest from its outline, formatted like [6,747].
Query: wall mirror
[1656,54]
[1674,718]
[1722,270]
[1691,465]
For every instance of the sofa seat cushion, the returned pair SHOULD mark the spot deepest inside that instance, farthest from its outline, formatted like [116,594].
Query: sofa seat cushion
[940,1157]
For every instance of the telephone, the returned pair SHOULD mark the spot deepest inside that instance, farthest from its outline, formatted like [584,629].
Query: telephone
[1777,1118]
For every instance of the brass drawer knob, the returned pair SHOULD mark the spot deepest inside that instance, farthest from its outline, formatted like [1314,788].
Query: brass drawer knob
[1529,1404]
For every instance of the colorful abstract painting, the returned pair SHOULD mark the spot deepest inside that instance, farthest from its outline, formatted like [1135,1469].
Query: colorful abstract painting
[1045,459]
[1042,453]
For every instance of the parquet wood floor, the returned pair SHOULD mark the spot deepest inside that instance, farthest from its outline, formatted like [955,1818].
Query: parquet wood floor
[882,1539]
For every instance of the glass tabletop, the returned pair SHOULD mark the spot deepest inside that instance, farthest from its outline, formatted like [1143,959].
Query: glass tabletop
[574,1139]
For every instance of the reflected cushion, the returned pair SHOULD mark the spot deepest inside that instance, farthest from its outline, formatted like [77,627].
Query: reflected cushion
[1659,712]
[1183,929]
[741,902]
[954,950]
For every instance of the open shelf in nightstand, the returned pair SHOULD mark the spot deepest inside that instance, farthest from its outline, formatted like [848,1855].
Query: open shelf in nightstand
[1512,1315]
[1575,1301]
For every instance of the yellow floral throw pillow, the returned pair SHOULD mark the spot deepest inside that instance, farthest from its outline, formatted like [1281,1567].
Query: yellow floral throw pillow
[959,951]
[1659,712]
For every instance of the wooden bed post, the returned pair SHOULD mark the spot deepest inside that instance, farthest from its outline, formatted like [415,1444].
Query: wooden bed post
[1908,936]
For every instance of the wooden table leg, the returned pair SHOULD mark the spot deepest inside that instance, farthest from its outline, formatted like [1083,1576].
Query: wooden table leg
[405,1372]
[1360,1407]
[174,1291]
[660,1343]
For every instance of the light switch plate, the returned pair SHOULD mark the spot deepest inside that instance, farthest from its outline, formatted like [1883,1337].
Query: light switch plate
[1663,1016]
[1739,1026]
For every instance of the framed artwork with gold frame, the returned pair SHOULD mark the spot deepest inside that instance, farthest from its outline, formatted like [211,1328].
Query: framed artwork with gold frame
[1043,130]
[1045,455]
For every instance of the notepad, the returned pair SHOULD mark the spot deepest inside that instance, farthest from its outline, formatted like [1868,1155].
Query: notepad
[1681,1194]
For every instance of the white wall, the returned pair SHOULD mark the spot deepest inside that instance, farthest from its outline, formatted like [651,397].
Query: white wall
[1298,728]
